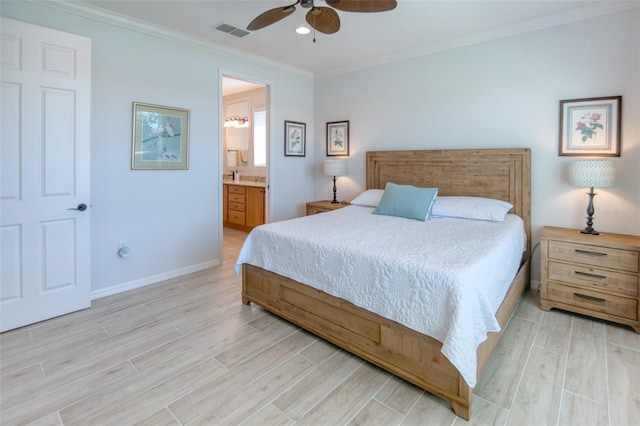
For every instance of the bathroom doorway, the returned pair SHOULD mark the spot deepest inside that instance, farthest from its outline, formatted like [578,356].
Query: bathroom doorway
[245,148]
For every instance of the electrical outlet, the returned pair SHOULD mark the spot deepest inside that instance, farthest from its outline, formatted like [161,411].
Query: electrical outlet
[123,243]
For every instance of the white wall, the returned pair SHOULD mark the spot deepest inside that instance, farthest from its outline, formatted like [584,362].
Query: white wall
[171,219]
[503,93]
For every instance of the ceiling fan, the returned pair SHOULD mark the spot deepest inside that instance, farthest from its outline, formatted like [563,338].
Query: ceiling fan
[323,19]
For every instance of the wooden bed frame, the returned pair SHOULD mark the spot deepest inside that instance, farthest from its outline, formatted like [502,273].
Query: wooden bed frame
[494,173]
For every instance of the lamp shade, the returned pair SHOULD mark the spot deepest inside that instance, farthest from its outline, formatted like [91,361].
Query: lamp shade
[335,167]
[592,173]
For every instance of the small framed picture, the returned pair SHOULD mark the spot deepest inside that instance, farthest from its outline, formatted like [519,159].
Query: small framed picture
[160,137]
[591,127]
[337,138]
[295,139]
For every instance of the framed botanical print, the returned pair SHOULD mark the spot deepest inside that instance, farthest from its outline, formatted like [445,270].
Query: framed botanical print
[295,135]
[337,138]
[591,127]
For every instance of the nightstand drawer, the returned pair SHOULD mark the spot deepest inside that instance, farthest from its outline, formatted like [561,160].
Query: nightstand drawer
[593,278]
[624,260]
[593,300]
[236,198]
[239,207]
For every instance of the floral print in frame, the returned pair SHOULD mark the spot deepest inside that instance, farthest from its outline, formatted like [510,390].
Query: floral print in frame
[591,127]
[338,138]
[295,135]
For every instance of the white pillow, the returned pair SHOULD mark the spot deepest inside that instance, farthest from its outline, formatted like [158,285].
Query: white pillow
[470,208]
[369,198]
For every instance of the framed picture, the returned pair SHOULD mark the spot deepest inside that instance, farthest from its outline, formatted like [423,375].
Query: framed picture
[591,127]
[295,139]
[337,138]
[160,137]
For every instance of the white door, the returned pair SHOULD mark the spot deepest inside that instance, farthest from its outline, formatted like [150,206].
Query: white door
[44,172]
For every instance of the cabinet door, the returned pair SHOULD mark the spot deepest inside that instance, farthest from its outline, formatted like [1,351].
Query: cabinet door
[255,206]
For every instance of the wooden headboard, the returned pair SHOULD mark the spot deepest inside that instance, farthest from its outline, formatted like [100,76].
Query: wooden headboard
[503,174]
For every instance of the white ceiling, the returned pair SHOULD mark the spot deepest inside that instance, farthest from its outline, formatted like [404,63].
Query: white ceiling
[414,28]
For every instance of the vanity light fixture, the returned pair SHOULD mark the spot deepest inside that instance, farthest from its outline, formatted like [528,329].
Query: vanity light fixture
[236,121]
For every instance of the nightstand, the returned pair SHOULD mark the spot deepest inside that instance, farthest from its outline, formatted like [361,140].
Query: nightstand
[594,275]
[315,207]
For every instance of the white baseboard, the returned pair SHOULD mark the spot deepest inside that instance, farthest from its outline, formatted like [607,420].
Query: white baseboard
[131,285]
[534,284]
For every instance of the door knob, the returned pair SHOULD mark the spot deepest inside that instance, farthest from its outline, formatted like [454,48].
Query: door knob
[81,207]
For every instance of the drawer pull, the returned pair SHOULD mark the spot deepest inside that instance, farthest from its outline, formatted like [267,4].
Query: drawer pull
[585,274]
[590,253]
[584,296]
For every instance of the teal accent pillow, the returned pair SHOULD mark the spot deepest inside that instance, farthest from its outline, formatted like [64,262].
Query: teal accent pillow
[406,201]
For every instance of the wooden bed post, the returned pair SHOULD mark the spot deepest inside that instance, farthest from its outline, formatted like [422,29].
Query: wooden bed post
[245,299]
[463,409]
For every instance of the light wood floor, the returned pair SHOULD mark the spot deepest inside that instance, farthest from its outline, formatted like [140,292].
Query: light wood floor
[186,351]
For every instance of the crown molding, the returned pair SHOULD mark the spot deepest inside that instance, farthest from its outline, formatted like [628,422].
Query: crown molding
[112,18]
[575,15]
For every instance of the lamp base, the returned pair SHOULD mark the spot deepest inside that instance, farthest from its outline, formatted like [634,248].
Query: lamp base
[589,231]
[335,200]
[590,211]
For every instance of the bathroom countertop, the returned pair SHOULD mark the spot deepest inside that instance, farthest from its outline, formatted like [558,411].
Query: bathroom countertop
[244,183]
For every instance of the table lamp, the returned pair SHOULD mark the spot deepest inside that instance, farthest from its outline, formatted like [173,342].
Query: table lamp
[335,168]
[590,174]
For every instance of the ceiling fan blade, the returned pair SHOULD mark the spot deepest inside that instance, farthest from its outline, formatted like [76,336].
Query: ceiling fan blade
[271,16]
[363,5]
[323,19]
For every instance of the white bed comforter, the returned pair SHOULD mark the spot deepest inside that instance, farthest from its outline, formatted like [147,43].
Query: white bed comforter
[445,277]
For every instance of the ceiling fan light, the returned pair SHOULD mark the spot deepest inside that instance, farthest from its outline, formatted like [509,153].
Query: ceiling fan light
[303,30]
[306,4]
